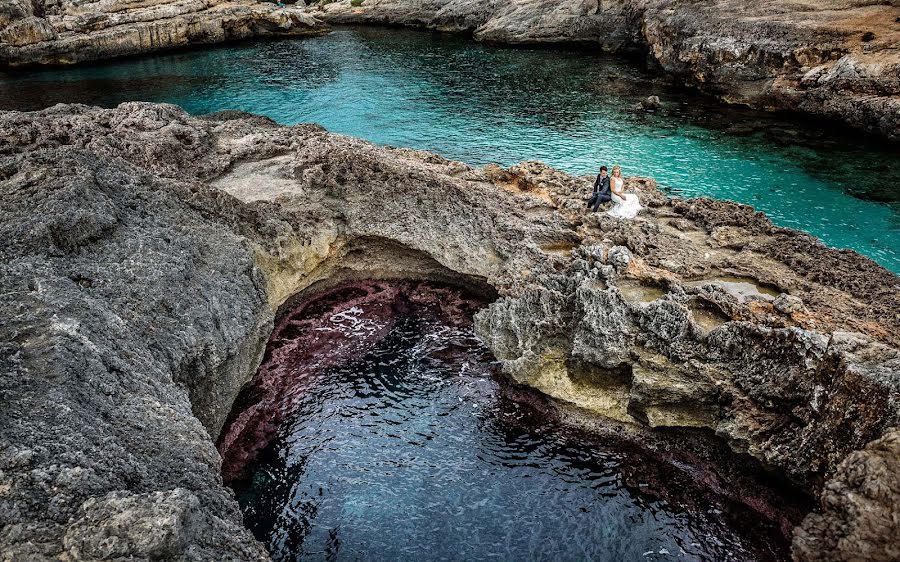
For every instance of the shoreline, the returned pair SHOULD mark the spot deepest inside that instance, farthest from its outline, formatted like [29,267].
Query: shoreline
[798,75]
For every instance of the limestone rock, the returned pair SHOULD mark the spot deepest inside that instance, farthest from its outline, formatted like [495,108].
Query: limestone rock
[859,520]
[26,31]
[805,56]
[619,257]
[506,21]
[153,526]
[788,304]
[144,254]
[69,32]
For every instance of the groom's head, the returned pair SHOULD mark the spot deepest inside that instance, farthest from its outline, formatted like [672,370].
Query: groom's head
[603,171]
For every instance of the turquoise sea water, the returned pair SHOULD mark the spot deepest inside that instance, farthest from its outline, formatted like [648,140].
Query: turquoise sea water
[572,109]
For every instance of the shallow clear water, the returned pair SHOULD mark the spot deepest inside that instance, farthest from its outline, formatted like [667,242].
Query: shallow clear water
[479,104]
[395,440]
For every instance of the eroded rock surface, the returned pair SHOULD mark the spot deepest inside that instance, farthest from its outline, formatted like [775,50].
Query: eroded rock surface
[859,509]
[51,32]
[507,21]
[145,253]
[837,58]
[672,321]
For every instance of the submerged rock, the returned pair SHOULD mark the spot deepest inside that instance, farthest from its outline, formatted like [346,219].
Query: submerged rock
[651,103]
[145,254]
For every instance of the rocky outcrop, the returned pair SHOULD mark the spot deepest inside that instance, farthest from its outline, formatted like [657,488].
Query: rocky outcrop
[125,301]
[839,58]
[41,32]
[515,22]
[707,316]
[138,299]
[145,254]
[859,509]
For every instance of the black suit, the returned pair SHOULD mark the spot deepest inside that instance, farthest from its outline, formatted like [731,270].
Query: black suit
[601,194]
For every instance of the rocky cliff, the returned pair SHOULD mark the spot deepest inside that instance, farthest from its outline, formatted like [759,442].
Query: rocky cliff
[613,25]
[145,253]
[835,58]
[63,32]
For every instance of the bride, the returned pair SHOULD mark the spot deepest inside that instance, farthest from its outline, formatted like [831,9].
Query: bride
[626,205]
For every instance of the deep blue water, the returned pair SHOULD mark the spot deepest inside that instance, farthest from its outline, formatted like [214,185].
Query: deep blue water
[409,447]
[476,103]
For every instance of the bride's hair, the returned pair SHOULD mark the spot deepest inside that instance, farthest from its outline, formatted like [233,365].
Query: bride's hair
[616,168]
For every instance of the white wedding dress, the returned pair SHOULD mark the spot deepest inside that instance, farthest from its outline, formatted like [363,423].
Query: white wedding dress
[626,208]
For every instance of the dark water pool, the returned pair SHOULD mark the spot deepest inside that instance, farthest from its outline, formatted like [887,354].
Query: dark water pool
[376,429]
[572,109]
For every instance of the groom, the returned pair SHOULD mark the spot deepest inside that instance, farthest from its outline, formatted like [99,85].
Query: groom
[601,190]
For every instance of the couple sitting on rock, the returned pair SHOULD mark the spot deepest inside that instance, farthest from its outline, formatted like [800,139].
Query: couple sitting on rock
[612,188]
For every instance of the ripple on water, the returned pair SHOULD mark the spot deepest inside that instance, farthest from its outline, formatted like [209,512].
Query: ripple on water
[411,448]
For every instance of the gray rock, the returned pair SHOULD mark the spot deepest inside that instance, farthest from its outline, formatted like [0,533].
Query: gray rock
[619,257]
[761,55]
[154,526]
[788,304]
[651,103]
[505,21]
[67,32]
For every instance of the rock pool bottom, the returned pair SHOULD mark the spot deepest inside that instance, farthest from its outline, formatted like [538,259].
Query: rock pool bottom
[377,429]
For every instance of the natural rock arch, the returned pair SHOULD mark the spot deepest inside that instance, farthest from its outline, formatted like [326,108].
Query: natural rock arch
[145,254]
